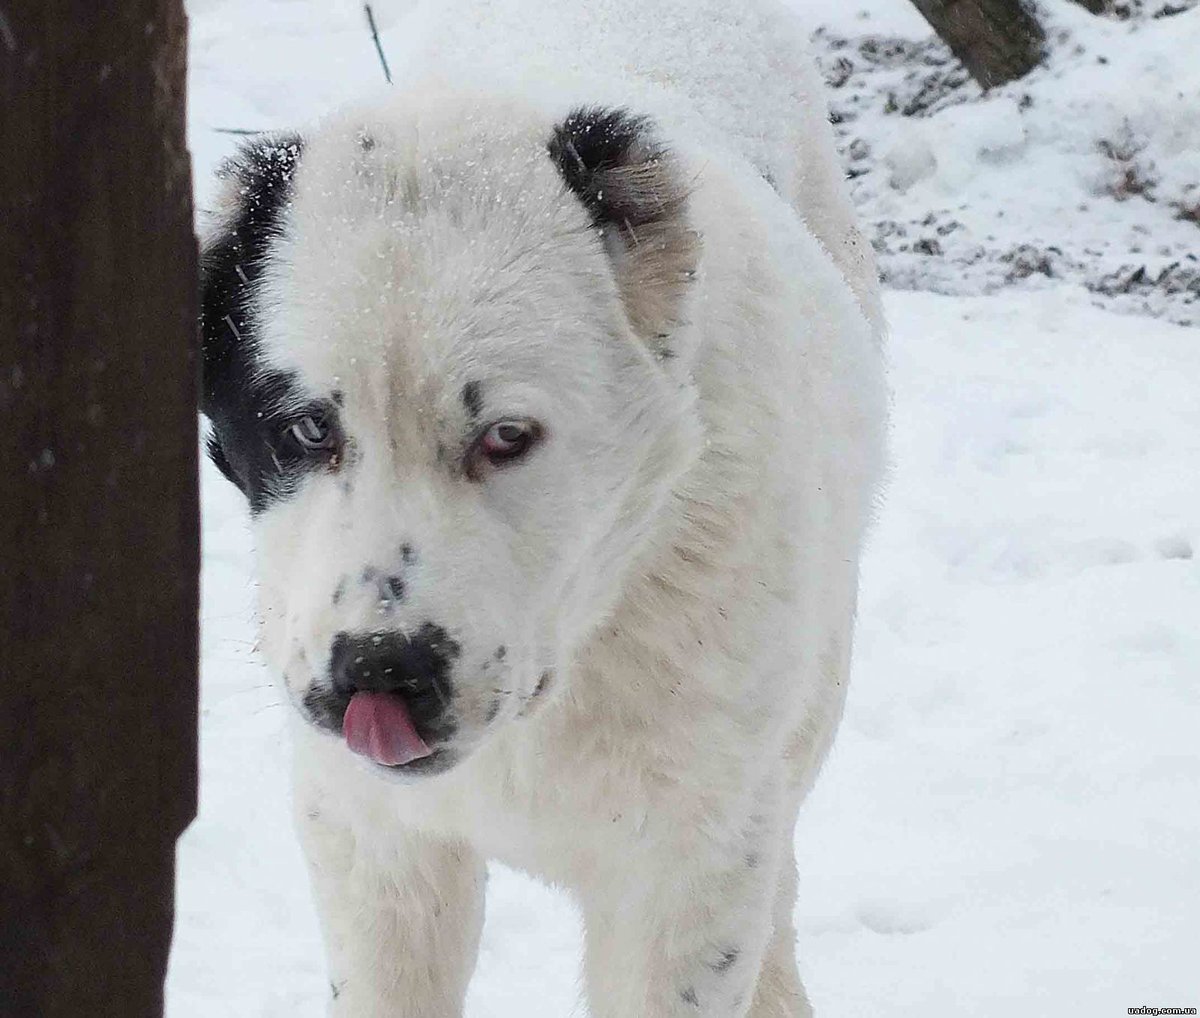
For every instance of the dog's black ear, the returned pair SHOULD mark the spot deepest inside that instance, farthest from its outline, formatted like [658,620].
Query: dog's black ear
[256,188]
[633,190]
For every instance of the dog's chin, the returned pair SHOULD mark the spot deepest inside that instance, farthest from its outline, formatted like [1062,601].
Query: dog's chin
[438,762]
[325,713]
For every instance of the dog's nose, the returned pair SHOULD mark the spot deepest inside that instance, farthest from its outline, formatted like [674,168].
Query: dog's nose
[416,667]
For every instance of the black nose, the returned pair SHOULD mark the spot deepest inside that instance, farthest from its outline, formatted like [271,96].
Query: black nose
[415,667]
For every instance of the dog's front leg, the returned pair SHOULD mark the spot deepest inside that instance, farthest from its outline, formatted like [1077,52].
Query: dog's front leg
[681,936]
[401,918]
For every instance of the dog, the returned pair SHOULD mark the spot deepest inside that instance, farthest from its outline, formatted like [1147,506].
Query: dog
[554,382]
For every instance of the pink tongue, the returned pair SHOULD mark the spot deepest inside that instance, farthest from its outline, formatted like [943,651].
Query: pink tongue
[378,725]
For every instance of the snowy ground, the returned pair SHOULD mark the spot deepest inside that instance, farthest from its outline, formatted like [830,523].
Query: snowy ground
[1086,171]
[1010,822]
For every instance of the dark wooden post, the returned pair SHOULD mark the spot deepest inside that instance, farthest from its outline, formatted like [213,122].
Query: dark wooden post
[997,40]
[98,502]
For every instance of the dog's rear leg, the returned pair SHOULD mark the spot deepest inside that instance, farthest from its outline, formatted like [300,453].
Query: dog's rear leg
[401,920]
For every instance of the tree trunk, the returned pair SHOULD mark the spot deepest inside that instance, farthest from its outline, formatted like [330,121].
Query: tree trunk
[997,40]
[98,502]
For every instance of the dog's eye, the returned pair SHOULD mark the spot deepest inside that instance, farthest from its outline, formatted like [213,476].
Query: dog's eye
[506,441]
[313,434]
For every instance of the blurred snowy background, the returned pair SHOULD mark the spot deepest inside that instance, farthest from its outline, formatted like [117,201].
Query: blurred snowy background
[1010,821]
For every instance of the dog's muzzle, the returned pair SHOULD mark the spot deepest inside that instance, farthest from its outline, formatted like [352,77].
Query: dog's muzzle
[390,694]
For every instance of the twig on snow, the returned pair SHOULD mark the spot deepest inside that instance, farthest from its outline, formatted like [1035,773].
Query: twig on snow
[387,71]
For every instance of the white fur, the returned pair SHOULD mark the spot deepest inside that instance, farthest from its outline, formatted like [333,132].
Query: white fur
[681,554]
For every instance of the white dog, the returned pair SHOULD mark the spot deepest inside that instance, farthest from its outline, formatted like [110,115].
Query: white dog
[554,383]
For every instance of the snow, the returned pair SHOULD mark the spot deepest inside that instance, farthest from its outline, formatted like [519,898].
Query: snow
[1087,170]
[1009,821]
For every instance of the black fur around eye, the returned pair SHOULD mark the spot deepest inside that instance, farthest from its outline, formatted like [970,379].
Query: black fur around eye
[266,453]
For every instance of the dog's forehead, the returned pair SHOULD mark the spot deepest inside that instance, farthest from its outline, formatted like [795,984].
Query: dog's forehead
[427,250]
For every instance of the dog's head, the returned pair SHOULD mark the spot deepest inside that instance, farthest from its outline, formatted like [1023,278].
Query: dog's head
[438,362]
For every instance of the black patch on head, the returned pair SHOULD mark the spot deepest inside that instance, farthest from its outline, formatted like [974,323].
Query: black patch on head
[591,143]
[472,397]
[251,408]
[633,189]
[407,555]
[688,996]
[501,652]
